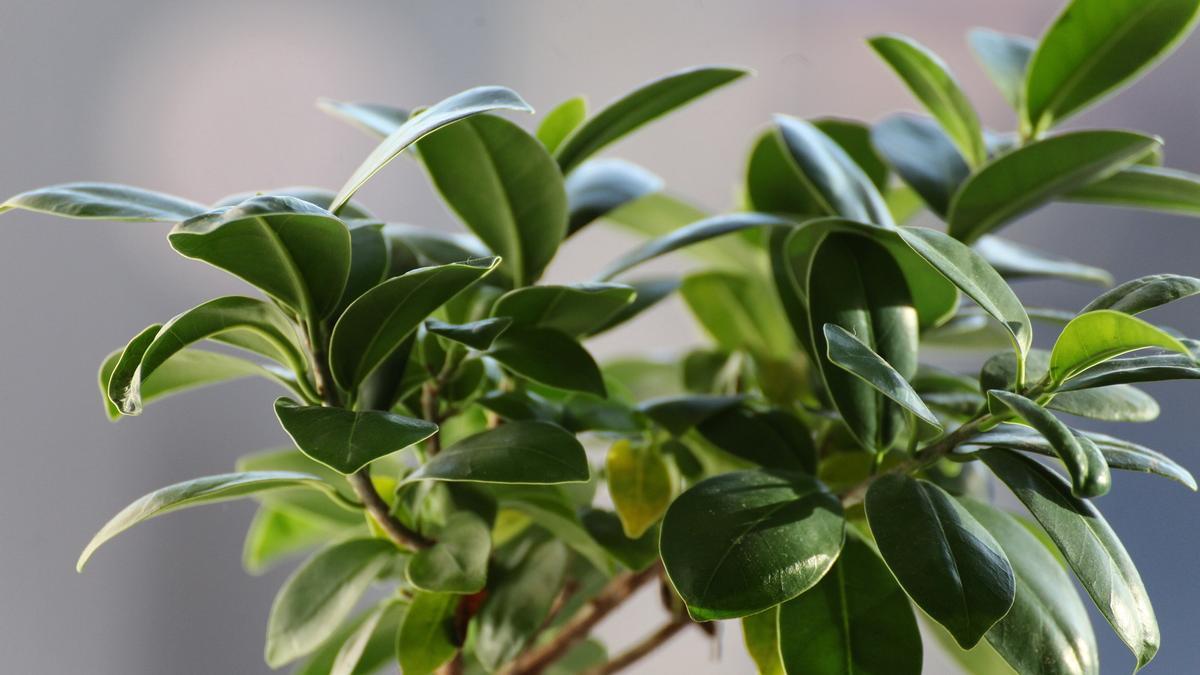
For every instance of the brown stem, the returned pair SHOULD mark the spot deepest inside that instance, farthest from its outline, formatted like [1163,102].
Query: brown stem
[429,410]
[452,667]
[641,649]
[609,598]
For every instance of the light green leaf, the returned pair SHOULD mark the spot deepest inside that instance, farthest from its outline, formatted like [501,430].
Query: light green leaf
[573,309]
[1139,295]
[924,158]
[640,483]
[600,186]
[761,634]
[1085,463]
[1029,176]
[737,312]
[1017,261]
[104,201]
[426,639]
[849,353]
[527,453]
[561,121]
[550,507]
[276,533]
[345,440]
[1114,403]
[935,87]
[445,112]
[738,543]
[376,119]
[1152,368]
[1144,187]
[1005,59]
[645,104]
[1096,336]
[548,357]
[364,649]
[457,563]
[519,602]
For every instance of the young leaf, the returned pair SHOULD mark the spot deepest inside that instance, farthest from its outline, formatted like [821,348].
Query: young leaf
[574,309]
[1089,545]
[1017,261]
[773,439]
[548,357]
[504,186]
[741,542]
[207,490]
[933,84]
[372,642]
[600,186]
[1096,336]
[678,414]
[924,158]
[1005,58]
[518,452]
[276,533]
[640,483]
[376,324]
[1139,295]
[945,560]
[1089,472]
[376,119]
[445,112]
[1144,187]
[856,620]
[457,563]
[1024,179]
[476,335]
[644,104]
[426,638]
[320,595]
[297,253]
[761,634]
[1096,46]
[518,604]
[561,121]
[1047,630]
[104,201]
[849,353]
[345,440]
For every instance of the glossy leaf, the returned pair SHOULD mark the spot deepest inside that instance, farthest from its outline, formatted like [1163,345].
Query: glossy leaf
[376,324]
[548,357]
[935,87]
[741,542]
[104,201]
[678,414]
[1029,176]
[345,440]
[504,186]
[445,112]
[645,104]
[943,558]
[772,439]
[1096,46]
[476,335]
[297,253]
[518,604]
[561,121]
[457,562]
[849,353]
[207,490]
[923,156]
[573,309]
[640,483]
[518,452]
[1144,187]
[376,119]
[1096,336]
[1114,403]
[1089,472]
[600,186]
[1152,368]
[1005,58]
[426,639]
[856,621]
[320,595]
[1139,295]
[1090,547]
[1017,261]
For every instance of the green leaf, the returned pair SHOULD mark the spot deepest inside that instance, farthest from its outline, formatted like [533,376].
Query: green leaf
[561,121]
[935,87]
[761,634]
[1139,295]
[1096,336]
[550,507]
[773,439]
[1089,472]
[426,639]
[344,513]
[946,561]
[645,104]
[457,563]
[737,312]
[829,177]
[376,324]
[640,483]
[445,112]
[297,253]
[850,354]
[372,643]
[414,247]
[600,186]
[856,620]
[276,533]
[548,357]
[376,119]
[647,293]
[1047,630]
[104,201]
[313,195]
[1005,59]
[678,414]
[345,440]
[504,186]
[967,270]
[1144,187]
[527,453]
[476,334]
[924,158]
[207,490]
[1089,545]
[1029,176]
[774,182]
[519,602]
[1016,261]
[1096,46]
[1152,368]
[608,530]
[315,600]
[855,138]
[370,258]
[573,309]
[741,542]
[1115,403]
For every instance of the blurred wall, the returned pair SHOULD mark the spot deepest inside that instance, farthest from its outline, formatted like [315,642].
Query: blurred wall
[207,98]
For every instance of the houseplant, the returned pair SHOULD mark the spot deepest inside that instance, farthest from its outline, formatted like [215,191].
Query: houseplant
[806,473]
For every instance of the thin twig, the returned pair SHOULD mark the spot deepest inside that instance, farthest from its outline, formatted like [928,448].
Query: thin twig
[643,648]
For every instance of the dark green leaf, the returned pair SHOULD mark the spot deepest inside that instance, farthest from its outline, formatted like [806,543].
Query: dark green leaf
[376,119]
[741,542]
[606,528]
[855,138]
[414,247]
[923,156]
[774,183]
[369,263]
[518,604]
[678,414]
[644,104]
[426,639]
[1152,368]
[1016,261]
[849,353]
[648,292]
[1144,187]
[1005,59]
[548,357]
[457,562]
[1114,403]
[476,335]
[345,440]
[773,439]
[1085,463]
[1096,336]
[1139,295]
[313,195]
[945,560]
[518,452]
[561,121]
[600,186]
[831,179]
[1089,545]
[573,309]
[104,201]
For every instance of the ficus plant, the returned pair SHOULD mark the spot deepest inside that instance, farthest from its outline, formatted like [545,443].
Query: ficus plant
[807,472]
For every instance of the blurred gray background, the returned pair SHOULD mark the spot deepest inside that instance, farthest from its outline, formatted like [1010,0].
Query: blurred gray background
[202,99]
